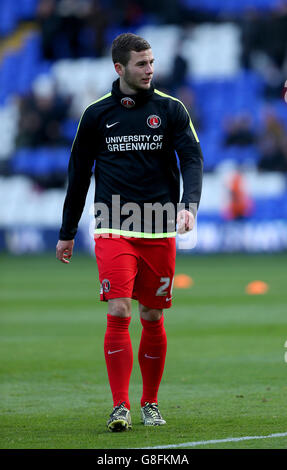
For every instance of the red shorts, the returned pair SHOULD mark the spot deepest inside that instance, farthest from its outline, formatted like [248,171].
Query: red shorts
[136,268]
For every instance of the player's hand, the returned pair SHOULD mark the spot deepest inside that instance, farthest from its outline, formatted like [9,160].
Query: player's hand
[64,250]
[185,221]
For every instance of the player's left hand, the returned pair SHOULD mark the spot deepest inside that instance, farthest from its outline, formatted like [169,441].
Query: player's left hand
[185,221]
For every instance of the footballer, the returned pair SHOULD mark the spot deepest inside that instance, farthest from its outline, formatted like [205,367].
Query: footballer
[137,140]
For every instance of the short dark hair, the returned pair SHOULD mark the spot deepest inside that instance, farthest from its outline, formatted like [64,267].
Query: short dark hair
[124,44]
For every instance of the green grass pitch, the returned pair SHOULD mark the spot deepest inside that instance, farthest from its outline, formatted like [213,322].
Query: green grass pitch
[225,372]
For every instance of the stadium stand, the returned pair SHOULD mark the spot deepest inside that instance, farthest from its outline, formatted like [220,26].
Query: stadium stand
[233,82]
[230,6]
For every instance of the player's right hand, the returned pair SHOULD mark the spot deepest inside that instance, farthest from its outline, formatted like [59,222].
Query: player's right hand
[64,250]
[185,221]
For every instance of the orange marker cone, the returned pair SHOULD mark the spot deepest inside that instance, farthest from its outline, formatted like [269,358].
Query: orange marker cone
[182,281]
[256,288]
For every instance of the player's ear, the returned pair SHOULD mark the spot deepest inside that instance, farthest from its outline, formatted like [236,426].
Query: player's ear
[119,68]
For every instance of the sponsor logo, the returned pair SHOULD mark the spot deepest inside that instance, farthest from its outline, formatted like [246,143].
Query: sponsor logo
[153,121]
[125,143]
[168,299]
[128,102]
[106,285]
[113,352]
[111,125]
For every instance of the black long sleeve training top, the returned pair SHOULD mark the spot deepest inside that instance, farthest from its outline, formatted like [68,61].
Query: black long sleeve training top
[131,141]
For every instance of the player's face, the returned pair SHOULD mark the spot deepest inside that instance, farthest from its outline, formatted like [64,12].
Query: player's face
[137,74]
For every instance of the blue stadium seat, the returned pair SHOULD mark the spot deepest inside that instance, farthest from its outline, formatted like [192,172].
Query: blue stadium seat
[270,208]
[230,6]
[28,64]
[280,107]
[27,8]
[59,158]
[69,129]
[12,12]
[240,154]
[211,150]
[8,17]
[209,217]
[41,164]
[40,161]
[21,162]
[113,31]
[8,73]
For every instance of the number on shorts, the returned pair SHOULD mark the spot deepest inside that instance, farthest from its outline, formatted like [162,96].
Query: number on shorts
[162,290]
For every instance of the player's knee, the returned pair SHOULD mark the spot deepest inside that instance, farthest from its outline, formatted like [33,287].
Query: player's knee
[120,307]
[150,314]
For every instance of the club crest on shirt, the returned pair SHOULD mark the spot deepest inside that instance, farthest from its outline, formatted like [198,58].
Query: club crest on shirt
[106,285]
[128,102]
[153,121]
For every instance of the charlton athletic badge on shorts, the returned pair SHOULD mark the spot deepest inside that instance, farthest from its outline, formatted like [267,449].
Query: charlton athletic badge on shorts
[106,285]
[153,121]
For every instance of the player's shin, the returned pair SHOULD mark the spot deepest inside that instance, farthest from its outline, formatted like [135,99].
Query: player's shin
[119,357]
[151,356]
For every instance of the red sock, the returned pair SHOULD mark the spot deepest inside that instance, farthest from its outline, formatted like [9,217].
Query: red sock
[119,357]
[152,352]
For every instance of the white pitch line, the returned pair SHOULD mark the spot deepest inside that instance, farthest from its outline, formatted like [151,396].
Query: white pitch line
[217,441]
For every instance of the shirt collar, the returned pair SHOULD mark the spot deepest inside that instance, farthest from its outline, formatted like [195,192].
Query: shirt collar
[131,101]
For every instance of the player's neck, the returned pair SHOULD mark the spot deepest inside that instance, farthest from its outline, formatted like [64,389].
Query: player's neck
[126,89]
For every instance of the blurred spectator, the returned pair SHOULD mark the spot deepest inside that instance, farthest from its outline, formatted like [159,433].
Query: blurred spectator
[272,144]
[239,131]
[97,22]
[187,96]
[272,76]
[178,76]
[72,28]
[41,116]
[130,13]
[50,26]
[179,70]
[239,205]
[265,33]
[273,81]
[72,15]
[167,11]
